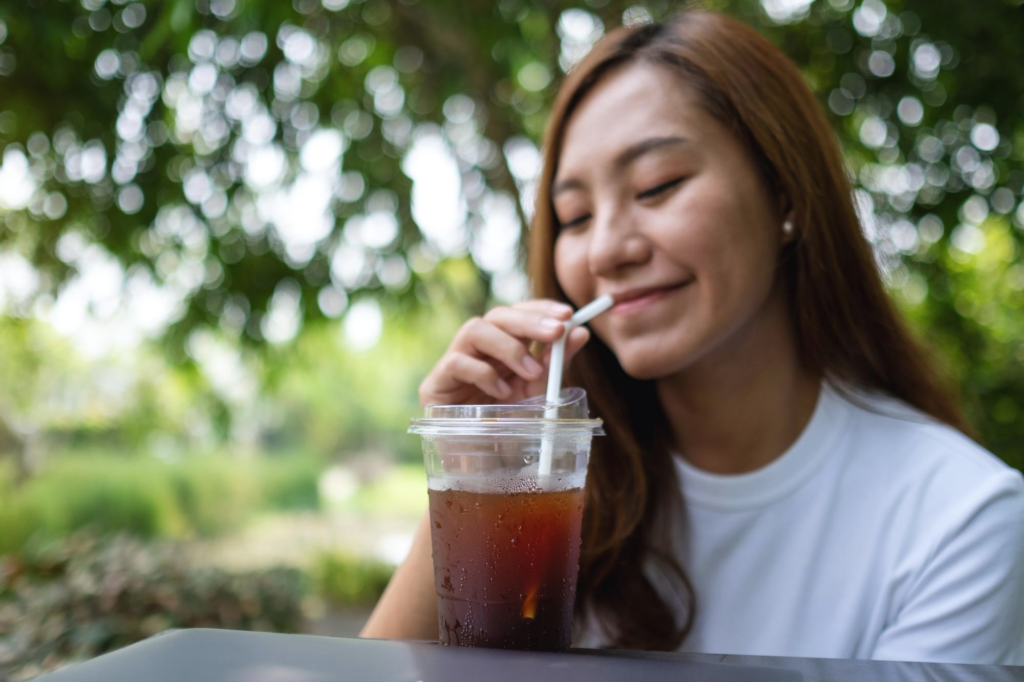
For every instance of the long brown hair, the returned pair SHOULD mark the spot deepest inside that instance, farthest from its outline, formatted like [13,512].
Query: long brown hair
[848,329]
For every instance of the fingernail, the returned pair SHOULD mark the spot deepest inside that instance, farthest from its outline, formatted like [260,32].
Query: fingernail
[503,388]
[531,365]
[561,308]
[550,323]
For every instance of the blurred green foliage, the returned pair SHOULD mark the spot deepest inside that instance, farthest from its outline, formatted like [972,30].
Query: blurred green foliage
[137,123]
[348,580]
[84,597]
[67,402]
[402,492]
[329,399]
[200,496]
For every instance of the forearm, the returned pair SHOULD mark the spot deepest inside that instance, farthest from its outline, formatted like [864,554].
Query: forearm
[408,607]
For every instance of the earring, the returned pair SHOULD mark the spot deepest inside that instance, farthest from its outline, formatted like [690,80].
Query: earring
[787,228]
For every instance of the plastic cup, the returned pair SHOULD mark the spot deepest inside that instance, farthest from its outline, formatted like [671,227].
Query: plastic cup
[506,538]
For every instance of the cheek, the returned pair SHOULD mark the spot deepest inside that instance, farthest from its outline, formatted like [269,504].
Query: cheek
[726,242]
[695,230]
[572,271]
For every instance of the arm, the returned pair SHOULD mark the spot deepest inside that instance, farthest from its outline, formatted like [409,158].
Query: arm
[408,607]
[967,603]
[487,361]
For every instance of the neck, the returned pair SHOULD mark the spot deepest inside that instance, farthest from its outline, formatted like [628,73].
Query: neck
[743,405]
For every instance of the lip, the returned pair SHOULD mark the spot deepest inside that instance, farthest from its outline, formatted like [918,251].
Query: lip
[641,298]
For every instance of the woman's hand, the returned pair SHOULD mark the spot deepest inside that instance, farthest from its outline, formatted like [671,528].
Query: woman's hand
[489,360]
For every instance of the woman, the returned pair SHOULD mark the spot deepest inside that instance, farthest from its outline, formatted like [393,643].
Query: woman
[784,472]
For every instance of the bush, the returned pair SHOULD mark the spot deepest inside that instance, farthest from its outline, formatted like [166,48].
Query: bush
[148,498]
[214,494]
[344,580]
[290,482]
[129,498]
[85,597]
[401,491]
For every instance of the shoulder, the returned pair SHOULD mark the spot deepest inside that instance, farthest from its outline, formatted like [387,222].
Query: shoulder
[889,438]
[953,544]
[932,488]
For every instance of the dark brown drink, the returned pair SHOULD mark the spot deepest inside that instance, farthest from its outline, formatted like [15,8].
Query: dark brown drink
[505,567]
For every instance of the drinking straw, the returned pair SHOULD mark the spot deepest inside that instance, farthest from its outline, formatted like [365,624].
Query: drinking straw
[580,317]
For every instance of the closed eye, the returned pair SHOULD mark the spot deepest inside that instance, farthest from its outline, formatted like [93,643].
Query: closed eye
[654,191]
[574,223]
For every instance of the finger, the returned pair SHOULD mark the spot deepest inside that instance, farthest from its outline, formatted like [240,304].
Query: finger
[486,341]
[526,324]
[441,388]
[467,370]
[577,338]
[562,311]
[499,347]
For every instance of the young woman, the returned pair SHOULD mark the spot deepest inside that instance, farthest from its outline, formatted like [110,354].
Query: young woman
[784,472]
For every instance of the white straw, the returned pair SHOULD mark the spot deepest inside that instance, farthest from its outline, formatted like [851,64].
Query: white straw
[580,317]
[555,369]
[592,310]
[554,393]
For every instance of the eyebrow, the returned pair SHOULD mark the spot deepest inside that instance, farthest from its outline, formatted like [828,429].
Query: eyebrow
[624,158]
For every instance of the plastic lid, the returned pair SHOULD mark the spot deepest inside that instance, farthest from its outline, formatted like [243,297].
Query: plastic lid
[531,416]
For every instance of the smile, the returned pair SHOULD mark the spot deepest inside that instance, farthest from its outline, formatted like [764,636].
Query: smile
[637,304]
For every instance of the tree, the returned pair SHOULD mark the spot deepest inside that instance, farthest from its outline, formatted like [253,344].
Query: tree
[181,135]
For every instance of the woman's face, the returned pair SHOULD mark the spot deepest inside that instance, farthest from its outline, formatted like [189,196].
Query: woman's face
[652,192]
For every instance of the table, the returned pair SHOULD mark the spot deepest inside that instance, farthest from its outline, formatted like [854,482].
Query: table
[229,656]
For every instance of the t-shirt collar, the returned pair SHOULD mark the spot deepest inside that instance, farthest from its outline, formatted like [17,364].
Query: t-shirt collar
[782,476]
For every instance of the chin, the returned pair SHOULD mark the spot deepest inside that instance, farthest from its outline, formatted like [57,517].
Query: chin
[659,355]
[648,366]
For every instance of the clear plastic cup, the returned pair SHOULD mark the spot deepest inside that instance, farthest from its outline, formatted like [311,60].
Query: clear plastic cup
[506,538]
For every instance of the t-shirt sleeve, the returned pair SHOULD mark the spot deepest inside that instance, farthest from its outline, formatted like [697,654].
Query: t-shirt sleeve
[966,604]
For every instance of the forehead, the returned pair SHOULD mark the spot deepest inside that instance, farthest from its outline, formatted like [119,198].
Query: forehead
[630,104]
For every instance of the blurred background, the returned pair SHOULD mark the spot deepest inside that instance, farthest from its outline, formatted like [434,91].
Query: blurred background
[236,234]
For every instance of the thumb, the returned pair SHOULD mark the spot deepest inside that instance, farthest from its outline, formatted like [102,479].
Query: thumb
[578,338]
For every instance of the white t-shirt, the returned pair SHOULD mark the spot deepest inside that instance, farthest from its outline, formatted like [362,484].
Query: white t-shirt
[880,534]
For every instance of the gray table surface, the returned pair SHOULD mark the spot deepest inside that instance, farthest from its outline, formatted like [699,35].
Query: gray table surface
[844,670]
[231,656]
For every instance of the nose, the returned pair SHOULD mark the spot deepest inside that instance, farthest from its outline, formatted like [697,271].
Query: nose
[616,242]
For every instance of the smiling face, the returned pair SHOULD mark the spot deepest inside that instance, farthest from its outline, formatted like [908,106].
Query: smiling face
[652,192]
